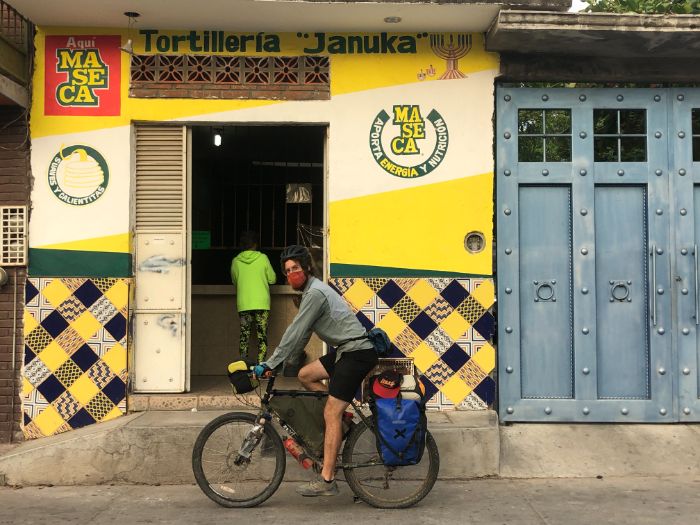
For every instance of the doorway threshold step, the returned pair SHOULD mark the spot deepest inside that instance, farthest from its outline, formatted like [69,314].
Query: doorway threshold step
[189,402]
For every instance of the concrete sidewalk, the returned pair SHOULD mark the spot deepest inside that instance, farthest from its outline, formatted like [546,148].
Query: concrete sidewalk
[634,501]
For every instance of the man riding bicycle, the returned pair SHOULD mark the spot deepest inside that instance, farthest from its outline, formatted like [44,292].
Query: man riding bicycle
[323,312]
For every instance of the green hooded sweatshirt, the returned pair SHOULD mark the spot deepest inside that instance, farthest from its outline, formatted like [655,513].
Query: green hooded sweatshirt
[252,274]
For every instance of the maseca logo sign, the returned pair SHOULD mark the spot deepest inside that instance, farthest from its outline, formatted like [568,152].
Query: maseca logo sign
[83,75]
[413,146]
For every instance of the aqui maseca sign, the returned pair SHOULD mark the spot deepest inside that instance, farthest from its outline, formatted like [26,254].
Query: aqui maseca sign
[406,144]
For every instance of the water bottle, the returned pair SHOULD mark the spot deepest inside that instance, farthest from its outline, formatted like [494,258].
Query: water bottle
[298,453]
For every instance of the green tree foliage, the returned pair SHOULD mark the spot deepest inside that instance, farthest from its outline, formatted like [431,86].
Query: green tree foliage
[677,7]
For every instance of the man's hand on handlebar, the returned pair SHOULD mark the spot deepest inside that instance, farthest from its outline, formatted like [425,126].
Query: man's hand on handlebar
[262,371]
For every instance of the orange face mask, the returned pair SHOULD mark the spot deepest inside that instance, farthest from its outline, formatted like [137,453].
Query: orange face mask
[296,279]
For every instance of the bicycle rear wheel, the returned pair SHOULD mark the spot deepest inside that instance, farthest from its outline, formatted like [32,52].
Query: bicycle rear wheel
[227,476]
[382,486]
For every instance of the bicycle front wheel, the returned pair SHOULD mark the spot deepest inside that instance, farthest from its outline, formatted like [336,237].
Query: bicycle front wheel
[383,486]
[228,471]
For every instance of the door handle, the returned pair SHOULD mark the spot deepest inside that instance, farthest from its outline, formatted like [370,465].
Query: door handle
[653,284]
[695,271]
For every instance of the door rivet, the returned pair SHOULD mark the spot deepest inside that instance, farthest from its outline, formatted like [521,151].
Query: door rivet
[585,331]
[584,211]
[680,97]
[620,172]
[660,330]
[583,173]
[586,411]
[662,411]
[547,410]
[510,410]
[509,290]
[583,135]
[684,291]
[586,371]
[507,211]
[506,135]
[684,211]
[659,173]
[662,371]
[506,173]
[657,98]
[508,251]
[509,329]
[620,98]
[685,331]
[660,291]
[659,212]
[684,251]
[659,251]
[582,98]
[545,97]
[507,98]
[624,411]
[686,371]
[509,369]
[584,251]
[681,134]
[657,134]
[545,172]
[686,411]
[681,172]
[611,282]
[584,291]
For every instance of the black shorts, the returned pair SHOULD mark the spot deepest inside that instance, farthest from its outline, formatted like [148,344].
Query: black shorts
[347,374]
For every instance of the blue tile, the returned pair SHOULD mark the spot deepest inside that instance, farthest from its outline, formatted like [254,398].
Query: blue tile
[84,357]
[423,325]
[26,419]
[54,324]
[455,357]
[88,293]
[366,323]
[391,293]
[117,327]
[30,292]
[51,388]
[454,294]
[485,326]
[81,419]
[430,388]
[115,390]
[486,390]
[29,355]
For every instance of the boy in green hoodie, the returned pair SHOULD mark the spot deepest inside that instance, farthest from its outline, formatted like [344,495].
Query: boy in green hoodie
[252,274]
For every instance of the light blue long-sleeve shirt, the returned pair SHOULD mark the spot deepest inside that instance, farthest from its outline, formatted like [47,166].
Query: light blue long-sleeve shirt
[324,312]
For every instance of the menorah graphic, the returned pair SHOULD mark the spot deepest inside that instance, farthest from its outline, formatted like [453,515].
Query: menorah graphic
[451,51]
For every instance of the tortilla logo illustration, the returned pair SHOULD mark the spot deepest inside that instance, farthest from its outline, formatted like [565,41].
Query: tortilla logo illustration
[416,148]
[78,175]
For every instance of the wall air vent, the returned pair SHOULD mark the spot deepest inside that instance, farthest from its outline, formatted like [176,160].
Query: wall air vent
[13,251]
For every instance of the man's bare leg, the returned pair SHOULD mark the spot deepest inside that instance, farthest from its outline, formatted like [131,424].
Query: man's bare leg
[333,415]
[311,376]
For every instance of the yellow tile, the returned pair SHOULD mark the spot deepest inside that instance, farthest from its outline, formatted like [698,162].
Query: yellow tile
[53,356]
[485,357]
[358,294]
[86,325]
[454,325]
[484,294]
[392,325]
[455,389]
[116,358]
[118,294]
[27,387]
[56,292]
[422,293]
[83,390]
[29,322]
[48,421]
[112,414]
[423,356]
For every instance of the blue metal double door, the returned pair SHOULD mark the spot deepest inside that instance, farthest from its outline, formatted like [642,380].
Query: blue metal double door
[598,228]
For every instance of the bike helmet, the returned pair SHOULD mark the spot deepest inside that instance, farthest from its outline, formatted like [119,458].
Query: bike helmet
[298,253]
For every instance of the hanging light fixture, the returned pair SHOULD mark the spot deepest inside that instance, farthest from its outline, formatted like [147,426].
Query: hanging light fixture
[129,46]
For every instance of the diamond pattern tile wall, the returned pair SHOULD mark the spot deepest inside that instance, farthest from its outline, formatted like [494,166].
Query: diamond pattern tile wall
[75,339]
[444,324]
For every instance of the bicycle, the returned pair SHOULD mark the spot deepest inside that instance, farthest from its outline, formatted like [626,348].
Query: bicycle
[239,459]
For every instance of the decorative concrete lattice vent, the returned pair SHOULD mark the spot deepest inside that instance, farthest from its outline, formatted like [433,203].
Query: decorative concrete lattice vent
[14,235]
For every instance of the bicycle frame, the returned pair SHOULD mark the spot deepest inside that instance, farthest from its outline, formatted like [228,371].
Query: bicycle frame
[266,414]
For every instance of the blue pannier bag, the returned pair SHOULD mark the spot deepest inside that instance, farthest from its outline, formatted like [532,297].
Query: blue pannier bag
[401,428]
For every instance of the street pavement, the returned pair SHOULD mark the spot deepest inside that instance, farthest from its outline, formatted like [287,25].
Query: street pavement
[634,501]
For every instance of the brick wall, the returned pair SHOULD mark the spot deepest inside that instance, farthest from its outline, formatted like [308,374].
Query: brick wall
[14,189]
